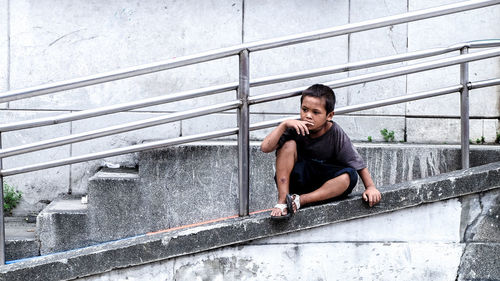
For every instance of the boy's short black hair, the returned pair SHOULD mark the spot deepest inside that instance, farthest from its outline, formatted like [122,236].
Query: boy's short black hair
[321,91]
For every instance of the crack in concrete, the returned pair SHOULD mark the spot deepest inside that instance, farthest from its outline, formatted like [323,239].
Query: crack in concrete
[470,229]
[65,35]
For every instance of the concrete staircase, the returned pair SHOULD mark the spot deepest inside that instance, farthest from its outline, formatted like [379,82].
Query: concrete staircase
[195,183]
[174,254]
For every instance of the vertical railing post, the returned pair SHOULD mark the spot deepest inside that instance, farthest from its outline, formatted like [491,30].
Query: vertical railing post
[2,224]
[243,134]
[464,110]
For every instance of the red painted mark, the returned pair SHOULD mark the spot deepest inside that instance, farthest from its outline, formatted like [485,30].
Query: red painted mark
[203,222]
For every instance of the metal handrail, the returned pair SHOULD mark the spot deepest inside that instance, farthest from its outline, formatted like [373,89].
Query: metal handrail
[244,100]
[233,131]
[251,100]
[89,113]
[252,47]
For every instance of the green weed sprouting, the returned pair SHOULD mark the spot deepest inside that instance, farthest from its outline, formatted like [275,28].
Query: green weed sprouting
[388,135]
[370,138]
[11,198]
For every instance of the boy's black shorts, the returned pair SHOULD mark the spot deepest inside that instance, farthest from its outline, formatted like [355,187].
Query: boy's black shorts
[309,175]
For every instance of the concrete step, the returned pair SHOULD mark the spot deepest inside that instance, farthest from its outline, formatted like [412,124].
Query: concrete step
[63,225]
[67,223]
[117,205]
[20,240]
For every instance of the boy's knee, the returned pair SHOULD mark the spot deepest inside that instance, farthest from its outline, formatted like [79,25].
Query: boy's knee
[283,180]
[345,179]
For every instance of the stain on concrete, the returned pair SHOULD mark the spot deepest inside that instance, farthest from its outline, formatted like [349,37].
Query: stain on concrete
[221,268]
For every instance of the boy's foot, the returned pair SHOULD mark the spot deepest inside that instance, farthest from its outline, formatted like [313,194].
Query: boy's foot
[293,202]
[280,211]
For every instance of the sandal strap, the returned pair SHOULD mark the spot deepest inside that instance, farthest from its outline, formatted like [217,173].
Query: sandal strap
[282,207]
[296,200]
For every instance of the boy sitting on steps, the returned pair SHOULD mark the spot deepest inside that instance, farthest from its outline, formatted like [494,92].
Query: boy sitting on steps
[315,159]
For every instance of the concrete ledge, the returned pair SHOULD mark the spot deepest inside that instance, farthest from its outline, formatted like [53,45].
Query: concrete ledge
[178,242]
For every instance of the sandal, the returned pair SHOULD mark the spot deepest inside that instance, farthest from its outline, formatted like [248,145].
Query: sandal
[282,208]
[290,201]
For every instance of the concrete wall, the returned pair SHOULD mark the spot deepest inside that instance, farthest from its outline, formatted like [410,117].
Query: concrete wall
[46,40]
[421,243]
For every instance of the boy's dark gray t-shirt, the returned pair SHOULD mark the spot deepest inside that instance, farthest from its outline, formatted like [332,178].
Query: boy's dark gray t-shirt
[334,147]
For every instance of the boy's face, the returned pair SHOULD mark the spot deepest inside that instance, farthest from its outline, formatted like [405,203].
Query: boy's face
[313,110]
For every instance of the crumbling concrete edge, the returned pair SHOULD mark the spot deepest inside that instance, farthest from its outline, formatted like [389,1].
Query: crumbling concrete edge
[169,244]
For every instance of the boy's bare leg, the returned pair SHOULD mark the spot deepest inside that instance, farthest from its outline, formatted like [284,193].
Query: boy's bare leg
[328,190]
[285,160]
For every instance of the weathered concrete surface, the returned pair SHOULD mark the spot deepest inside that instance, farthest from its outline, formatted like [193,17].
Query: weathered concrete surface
[20,239]
[417,224]
[176,242]
[480,262]
[173,182]
[448,130]
[389,41]
[118,205]
[481,218]
[419,243]
[325,261]
[205,166]
[62,217]
[70,45]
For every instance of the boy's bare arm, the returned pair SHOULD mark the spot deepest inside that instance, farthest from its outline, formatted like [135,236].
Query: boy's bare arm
[371,194]
[270,143]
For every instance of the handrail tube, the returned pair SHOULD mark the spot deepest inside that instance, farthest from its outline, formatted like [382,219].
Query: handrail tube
[118,151]
[381,74]
[67,117]
[2,223]
[479,44]
[243,116]
[368,105]
[464,112]
[252,46]
[155,121]
[483,83]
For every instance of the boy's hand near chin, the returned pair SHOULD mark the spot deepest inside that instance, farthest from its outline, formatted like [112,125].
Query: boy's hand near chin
[299,126]
[372,196]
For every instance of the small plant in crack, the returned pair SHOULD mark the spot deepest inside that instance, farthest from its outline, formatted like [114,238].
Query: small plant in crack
[387,135]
